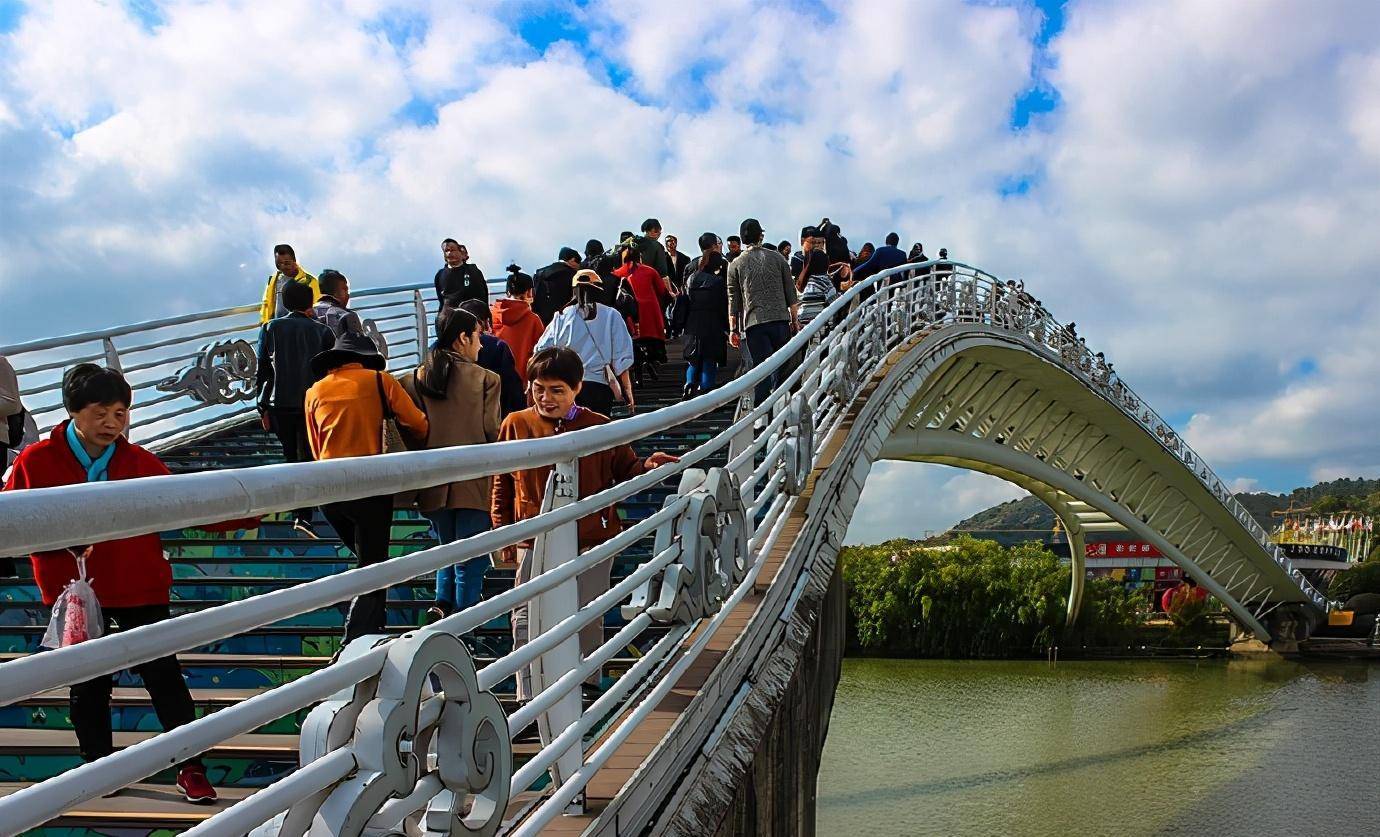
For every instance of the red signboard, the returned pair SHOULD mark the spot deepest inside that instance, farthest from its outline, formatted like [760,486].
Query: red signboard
[1121,549]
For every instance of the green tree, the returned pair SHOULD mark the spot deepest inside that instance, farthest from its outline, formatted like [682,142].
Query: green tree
[975,598]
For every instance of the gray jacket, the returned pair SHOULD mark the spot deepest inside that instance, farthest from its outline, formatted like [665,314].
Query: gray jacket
[760,289]
[337,317]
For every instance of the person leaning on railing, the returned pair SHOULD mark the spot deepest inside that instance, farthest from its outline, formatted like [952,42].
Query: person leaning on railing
[131,578]
[345,411]
[556,376]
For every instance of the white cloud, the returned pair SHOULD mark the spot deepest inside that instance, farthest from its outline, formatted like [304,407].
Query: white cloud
[914,500]
[1198,201]
[1244,485]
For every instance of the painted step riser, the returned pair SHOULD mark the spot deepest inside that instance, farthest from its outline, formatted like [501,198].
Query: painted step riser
[123,719]
[225,772]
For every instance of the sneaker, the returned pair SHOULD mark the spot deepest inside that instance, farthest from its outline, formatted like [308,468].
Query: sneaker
[195,787]
[303,527]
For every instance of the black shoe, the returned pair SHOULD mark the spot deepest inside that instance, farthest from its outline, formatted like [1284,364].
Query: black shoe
[690,391]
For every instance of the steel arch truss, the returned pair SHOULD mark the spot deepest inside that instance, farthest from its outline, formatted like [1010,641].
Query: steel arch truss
[992,402]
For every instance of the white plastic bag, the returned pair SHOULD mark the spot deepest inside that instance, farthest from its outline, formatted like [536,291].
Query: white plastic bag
[76,613]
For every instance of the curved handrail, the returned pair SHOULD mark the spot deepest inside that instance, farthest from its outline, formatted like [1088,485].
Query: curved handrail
[830,373]
[202,363]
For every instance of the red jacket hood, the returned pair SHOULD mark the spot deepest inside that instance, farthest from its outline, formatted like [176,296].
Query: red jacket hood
[510,312]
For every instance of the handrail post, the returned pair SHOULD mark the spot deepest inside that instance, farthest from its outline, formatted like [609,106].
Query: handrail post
[112,355]
[419,306]
[550,550]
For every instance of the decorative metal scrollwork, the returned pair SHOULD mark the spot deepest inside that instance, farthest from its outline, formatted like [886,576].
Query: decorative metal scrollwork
[711,535]
[799,455]
[730,532]
[222,373]
[371,330]
[384,722]
[848,368]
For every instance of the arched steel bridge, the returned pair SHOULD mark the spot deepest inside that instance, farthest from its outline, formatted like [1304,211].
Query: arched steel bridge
[937,362]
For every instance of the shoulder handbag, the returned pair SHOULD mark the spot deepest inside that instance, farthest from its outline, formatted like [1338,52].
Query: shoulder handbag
[390,438]
[625,301]
[610,375]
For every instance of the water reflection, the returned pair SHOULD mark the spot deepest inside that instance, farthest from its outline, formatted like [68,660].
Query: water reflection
[1255,746]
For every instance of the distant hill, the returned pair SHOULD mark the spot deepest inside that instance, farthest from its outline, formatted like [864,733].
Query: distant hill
[1029,513]
[1025,513]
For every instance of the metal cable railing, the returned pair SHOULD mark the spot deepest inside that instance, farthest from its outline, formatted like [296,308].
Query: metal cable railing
[383,745]
[215,351]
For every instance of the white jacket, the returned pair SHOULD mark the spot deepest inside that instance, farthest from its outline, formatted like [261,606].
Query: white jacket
[601,341]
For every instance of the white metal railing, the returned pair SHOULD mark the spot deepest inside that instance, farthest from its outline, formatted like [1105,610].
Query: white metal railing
[198,369]
[382,746]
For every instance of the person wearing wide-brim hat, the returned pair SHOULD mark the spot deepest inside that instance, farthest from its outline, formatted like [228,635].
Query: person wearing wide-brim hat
[349,348]
[345,414]
[600,336]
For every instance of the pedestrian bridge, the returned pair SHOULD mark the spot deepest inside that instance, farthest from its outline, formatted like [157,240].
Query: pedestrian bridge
[724,627]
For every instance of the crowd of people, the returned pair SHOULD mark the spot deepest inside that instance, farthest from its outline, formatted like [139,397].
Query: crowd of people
[553,355]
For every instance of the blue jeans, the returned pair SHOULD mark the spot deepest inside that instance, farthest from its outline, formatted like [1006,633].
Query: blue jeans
[702,375]
[462,585]
[763,340]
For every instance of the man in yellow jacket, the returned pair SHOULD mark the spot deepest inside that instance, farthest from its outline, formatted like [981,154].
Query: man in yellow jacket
[288,271]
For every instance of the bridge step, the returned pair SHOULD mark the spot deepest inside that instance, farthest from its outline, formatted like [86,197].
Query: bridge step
[245,761]
[213,568]
[139,809]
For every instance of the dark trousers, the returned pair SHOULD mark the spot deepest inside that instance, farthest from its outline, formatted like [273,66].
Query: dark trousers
[365,527]
[595,396]
[162,678]
[763,340]
[290,426]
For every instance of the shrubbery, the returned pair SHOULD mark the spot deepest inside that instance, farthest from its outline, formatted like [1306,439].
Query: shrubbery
[976,598]
[1362,578]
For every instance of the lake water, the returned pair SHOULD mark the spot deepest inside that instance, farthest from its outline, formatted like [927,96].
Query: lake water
[1138,747]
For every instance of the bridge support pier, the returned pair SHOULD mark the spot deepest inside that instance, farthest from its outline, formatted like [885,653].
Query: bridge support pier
[1288,625]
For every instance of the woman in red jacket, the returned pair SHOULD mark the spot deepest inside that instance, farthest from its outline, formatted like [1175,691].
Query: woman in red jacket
[130,576]
[653,293]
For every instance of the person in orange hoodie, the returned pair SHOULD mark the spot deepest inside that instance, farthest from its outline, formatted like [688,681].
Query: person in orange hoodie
[345,411]
[556,375]
[515,323]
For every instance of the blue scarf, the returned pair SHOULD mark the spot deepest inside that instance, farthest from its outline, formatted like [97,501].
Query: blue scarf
[95,468]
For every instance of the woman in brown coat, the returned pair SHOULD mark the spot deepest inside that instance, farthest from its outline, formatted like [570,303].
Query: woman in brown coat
[461,401]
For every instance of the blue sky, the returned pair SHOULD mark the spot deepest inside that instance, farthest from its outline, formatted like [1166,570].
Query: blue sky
[1184,180]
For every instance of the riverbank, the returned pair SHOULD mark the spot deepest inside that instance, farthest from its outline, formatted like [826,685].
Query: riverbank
[1241,746]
